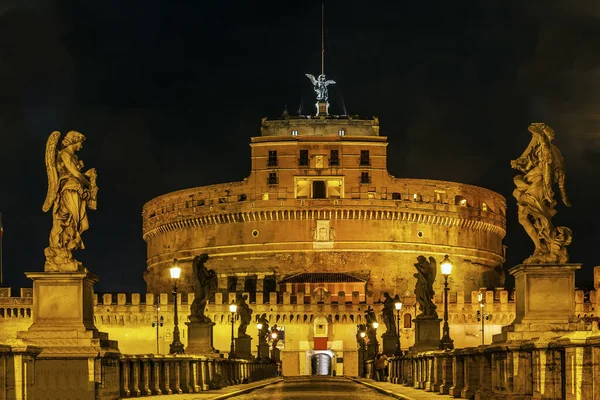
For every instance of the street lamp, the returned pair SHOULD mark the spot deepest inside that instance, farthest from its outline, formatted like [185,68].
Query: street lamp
[232,310]
[158,322]
[375,326]
[176,347]
[398,306]
[482,316]
[446,343]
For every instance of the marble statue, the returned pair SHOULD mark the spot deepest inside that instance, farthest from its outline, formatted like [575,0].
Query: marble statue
[205,282]
[320,86]
[387,314]
[425,275]
[541,166]
[370,317]
[244,314]
[70,193]
[263,333]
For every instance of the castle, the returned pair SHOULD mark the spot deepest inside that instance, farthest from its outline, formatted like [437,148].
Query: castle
[316,234]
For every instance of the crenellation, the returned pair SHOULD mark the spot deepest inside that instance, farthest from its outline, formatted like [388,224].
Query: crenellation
[107,299]
[135,299]
[121,299]
[164,298]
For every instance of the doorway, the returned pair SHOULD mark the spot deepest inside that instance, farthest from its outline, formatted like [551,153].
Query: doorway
[319,190]
[320,364]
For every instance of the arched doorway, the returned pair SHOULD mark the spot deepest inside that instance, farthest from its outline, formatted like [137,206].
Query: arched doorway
[320,364]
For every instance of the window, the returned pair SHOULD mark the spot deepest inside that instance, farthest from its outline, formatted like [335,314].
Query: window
[294,132]
[407,321]
[303,160]
[319,191]
[364,157]
[396,196]
[364,177]
[342,132]
[334,160]
[272,161]
[272,179]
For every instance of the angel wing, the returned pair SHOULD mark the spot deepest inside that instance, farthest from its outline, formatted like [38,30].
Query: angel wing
[432,270]
[329,82]
[51,170]
[312,79]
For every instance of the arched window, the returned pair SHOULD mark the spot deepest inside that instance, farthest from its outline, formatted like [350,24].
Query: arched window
[320,294]
[460,201]
[407,321]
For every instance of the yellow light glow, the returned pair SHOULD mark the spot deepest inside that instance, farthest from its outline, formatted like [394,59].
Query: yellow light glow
[375,325]
[398,305]
[232,307]
[446,266]
[259,326]
[175,272]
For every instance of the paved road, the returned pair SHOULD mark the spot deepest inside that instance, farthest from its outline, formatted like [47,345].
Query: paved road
[314,388]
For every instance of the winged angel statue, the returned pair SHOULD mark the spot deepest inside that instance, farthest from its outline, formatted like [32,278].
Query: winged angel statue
[425,275]
[320,85]
[70,193]
[541,166]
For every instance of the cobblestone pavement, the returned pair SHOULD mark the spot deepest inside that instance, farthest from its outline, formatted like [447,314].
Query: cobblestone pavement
[315,388]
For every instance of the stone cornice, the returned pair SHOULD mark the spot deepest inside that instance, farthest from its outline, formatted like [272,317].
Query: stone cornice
[416,216]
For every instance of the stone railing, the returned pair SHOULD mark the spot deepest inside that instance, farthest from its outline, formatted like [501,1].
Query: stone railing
[17,371]
[562,369]
[145,375]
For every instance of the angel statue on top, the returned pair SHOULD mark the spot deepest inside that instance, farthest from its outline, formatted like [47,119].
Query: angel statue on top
[541,166]
[70,193]
[320,86]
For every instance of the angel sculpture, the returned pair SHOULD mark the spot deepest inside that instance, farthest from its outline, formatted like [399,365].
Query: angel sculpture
[205,282]
[70,194]
[541,166]
[320,85]
[245,315]
[425,275]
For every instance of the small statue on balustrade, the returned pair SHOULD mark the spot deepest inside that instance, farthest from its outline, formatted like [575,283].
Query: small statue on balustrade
[244,314]
[387,314]
[425,275]
[206,281]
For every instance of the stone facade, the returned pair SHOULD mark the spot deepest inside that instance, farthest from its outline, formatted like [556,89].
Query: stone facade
[319,199]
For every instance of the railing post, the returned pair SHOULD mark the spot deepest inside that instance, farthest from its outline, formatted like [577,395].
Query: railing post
[446,374]
[436,373]
[485,375]
[177,376]
[471,373]
[167,376]
[125,377]
[146,376]
[135,363]
[458,378]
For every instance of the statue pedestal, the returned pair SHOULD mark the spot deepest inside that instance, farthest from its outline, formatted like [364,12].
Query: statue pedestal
[390,344]
[243,348]
[74,356]
[545,301]
[427,334]
[200,338]
[263,351]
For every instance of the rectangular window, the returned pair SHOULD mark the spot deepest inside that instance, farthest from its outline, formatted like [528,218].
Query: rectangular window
[364,157]
[303,160]
[272,179]
[364,177]
[272,161]
[294,133]
[334,160]
[342,132]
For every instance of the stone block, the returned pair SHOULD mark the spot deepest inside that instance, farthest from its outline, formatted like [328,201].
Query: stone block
[218,298]
[149,299]
[121,299]
[243,348]
[107,299]
[474,295]
[427,334]
[503,297]
[300,299]
[231,297]
[286,297]
[355,297]
[489,297]
[200,338]
[5,292]
[26,292]
[327,298]
[164,299]
[460,297]
[273,298]
[191,297]
[95,299]
[135,299]
[341,297]
[260,297]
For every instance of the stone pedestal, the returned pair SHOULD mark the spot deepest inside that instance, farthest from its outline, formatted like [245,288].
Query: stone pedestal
[200,338]
[390,344]
[243,348]
[427,334]
[263,351]
[545,301]
[75,357]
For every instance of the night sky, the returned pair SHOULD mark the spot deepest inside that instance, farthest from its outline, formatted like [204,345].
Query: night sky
[169,93]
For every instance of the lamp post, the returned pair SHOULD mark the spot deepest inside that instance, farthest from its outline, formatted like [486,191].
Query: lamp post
[232,310]
[398,305]
[158,322]
[446,343]
[176,346]
[482,316]
[375,326]
[363,334]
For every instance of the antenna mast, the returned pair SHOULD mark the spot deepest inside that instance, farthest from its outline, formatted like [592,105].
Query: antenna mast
[322,38]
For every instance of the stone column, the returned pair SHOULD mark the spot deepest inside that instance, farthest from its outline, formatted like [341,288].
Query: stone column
[458,379]
[446,374]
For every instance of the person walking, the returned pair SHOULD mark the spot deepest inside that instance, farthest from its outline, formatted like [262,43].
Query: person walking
[380,366]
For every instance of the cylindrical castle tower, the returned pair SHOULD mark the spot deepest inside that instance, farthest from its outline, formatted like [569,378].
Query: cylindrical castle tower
[319,199]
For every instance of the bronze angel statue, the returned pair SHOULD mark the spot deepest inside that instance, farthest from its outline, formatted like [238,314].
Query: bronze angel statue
[320,85]
[541,166]
[70,193]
